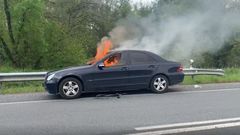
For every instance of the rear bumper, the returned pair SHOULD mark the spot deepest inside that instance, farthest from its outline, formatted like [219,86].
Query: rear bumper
[176,78]
[51,87]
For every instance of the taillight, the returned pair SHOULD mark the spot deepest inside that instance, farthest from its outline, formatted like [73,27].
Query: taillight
[180,68]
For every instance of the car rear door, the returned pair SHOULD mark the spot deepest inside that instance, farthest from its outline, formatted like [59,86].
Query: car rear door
[109,78]
[141,69]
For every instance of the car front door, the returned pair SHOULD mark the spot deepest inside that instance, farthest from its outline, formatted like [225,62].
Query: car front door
[110,74]
[141,69]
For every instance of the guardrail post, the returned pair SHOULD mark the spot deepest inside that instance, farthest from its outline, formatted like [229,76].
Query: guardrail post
[191,67]
[192,77]
[191,63]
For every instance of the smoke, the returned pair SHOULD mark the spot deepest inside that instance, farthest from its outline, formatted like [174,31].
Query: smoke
[204,26]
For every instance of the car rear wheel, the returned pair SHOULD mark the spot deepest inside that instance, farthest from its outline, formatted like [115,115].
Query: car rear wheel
[159,84]
[70,88]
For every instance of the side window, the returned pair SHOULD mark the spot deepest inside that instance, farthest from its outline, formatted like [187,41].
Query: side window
[113,60]
[141,58]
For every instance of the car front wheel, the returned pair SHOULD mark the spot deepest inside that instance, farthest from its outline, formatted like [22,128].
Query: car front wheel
[70,88]
[159,84]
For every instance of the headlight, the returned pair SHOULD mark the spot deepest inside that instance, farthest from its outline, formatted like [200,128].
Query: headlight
[50,77]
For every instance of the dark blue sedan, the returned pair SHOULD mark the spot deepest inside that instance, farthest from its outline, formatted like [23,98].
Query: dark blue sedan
[118,71]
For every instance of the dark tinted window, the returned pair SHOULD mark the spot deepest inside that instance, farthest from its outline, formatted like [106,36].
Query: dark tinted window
[141,58]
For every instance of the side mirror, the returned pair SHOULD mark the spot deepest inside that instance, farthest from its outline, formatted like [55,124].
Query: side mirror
[101,65]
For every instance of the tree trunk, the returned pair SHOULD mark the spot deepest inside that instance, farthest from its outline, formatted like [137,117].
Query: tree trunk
[9,21]
[7,51]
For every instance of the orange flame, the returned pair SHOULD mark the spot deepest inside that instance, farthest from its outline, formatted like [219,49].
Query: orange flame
[102,50]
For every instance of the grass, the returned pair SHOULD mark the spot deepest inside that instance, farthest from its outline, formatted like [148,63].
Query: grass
[24,89]
[21,87]
[231,75]
[7,69]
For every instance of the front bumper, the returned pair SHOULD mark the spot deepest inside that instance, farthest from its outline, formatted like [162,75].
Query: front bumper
[51,86]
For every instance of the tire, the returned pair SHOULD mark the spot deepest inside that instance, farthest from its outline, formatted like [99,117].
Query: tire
[70,88]
[159,84]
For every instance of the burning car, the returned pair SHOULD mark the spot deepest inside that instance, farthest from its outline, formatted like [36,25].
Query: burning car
[117,71]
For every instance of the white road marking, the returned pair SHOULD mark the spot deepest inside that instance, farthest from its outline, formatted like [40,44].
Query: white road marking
[27,102]
[213,90]
[187,124]
[189,129]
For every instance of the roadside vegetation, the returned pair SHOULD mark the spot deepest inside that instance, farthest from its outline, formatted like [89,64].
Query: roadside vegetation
[52,34]
[231,75]
[21,87]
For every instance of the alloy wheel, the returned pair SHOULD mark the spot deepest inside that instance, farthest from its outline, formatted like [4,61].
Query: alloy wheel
[70,88]
[160,84]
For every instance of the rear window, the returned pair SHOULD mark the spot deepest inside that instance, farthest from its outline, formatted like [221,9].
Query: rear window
[141,58]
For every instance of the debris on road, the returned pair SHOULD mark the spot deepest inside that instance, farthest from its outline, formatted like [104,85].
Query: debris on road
[197,86]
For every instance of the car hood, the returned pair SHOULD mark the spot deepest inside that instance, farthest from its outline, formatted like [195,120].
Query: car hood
[70,69]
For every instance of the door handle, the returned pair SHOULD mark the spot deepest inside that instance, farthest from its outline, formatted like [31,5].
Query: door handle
[124,68]
[151,66]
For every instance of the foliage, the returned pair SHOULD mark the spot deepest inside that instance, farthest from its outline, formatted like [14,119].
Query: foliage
[44,36]
[51,34]
[227,56]
[38,41]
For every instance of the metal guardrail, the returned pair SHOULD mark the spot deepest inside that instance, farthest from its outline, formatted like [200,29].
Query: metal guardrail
[22,76]
[38,76]
[199,71]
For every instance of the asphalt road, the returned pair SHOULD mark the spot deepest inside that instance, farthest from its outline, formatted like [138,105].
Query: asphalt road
[211,109]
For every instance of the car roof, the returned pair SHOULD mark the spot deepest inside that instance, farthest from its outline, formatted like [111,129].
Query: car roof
[114,51]
[155,56]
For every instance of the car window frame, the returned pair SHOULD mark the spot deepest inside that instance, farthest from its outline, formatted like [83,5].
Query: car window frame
[122,58]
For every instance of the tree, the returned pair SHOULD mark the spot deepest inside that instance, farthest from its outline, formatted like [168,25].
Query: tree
[28,37]
[5,47]
[88,21]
